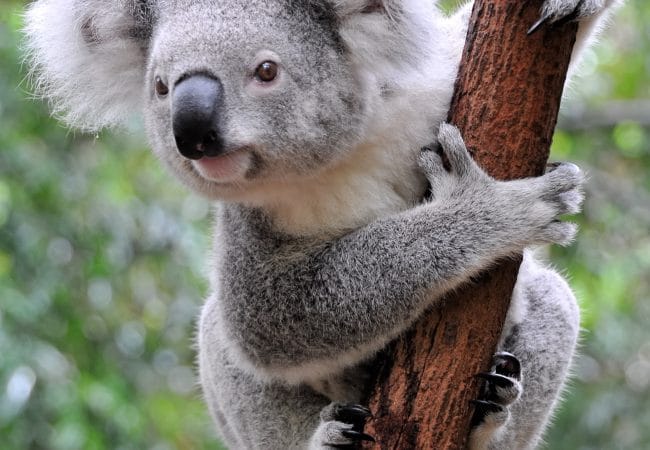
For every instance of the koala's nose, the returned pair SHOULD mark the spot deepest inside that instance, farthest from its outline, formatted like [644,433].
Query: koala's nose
[196,104]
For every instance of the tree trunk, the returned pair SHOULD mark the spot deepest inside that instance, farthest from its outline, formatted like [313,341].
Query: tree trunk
[505,103]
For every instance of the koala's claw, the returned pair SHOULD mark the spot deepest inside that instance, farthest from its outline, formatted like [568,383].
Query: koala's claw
[565,10]
[551,166]
[559,11]
[356,415]
[502,388]
[495,379]
[507,364]
[341,427]
[358,436]
[486,407]
[537,25]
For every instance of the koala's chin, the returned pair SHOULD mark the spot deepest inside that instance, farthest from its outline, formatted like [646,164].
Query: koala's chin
[221,177]
[227,168]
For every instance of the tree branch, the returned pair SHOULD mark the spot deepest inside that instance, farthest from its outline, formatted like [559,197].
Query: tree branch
[506,101]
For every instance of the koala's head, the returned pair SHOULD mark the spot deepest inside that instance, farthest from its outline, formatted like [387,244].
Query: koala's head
[235,93]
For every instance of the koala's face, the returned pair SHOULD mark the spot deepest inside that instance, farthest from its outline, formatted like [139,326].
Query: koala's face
[236,94]
[247,92]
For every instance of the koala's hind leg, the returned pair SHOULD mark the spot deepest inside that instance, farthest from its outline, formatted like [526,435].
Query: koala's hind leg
[541,332]
[253,413]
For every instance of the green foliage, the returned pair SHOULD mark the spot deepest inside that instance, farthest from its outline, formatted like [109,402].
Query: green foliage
[609,265]
[102,261]
[100,284]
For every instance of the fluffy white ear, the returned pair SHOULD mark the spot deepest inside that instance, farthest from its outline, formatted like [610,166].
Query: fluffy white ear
[386,35]
[88,57]
[349,7]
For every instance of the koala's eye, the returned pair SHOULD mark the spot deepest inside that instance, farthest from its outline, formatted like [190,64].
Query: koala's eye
[267,71]
[161,88]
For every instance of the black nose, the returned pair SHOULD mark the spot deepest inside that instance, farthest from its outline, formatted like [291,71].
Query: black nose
[196,103]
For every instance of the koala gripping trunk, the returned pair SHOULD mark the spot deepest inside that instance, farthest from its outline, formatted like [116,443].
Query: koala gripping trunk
[505,103]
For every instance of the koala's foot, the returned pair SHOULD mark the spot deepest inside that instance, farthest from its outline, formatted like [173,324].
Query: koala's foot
[341,427]
[558,10]
[501,389]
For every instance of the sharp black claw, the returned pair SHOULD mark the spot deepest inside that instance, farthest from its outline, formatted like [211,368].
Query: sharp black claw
[428,195]
[353,413]
[356,415]
[445,160]
[358,436]
[496,379]
[550,167]
[485,406]
[507,364]
[537,25]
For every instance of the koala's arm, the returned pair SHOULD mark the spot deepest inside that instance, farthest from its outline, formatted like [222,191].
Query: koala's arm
[311,312]
[541,329]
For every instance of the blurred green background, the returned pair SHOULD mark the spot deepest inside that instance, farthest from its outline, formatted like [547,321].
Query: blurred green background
[102,261]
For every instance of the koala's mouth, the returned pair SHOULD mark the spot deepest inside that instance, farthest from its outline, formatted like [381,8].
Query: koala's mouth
[229,167]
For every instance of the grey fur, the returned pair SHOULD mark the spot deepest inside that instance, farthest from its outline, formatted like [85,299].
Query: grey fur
[323,252]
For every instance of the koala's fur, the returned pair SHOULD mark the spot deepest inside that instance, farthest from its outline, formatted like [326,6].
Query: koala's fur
[323,250]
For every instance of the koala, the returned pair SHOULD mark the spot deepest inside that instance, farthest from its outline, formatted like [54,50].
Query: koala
[310,124]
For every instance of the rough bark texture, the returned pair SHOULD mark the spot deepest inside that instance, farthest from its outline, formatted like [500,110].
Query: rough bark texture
[505,104]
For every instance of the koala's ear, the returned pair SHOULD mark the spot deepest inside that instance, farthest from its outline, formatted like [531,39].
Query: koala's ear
[351,7]
[89,57]
[385,34]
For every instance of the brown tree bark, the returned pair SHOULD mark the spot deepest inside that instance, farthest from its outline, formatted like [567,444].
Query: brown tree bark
[506,102]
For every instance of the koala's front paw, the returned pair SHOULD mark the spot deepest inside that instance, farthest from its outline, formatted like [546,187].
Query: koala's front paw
[341,427]
[556,10]
[501,389]
[556,193]
[518,212]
